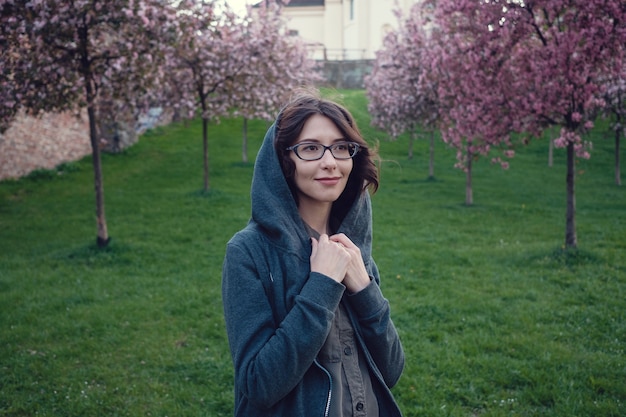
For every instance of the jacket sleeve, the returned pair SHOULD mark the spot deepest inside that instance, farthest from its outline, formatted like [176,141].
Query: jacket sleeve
[271,358]
[378,331]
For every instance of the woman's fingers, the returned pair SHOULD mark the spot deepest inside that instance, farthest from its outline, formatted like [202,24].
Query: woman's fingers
[345,241]
[329,258]
[356,274]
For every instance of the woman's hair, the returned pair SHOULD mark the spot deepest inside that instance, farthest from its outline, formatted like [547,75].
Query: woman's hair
[289,124]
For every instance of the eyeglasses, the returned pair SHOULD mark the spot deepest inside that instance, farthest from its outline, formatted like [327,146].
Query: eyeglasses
[308,151]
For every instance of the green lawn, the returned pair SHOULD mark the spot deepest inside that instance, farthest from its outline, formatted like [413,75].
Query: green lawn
[496,319]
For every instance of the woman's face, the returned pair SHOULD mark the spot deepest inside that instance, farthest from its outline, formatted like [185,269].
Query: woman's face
[322,180]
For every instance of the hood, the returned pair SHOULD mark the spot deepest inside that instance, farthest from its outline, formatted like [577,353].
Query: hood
[274,208]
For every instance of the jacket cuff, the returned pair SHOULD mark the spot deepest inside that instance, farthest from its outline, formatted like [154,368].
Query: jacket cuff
[367,301]
[323,291]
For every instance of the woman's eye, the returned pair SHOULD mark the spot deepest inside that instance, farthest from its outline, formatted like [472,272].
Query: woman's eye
[341,147]
[310,148]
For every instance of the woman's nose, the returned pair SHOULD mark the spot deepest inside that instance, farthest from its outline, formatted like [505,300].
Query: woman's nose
[328,160]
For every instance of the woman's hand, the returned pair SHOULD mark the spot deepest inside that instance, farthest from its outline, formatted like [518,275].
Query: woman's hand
[330,258]
[356,277]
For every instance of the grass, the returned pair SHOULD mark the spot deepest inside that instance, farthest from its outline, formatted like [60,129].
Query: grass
[496,318]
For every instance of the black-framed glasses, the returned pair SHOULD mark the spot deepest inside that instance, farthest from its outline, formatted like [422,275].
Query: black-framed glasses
[309,151]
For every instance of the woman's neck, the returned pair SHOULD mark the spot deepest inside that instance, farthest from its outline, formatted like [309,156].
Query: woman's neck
[317,216]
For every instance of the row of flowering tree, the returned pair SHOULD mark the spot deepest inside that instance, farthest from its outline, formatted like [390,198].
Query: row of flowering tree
[281,59]
[119,57]
[401,97]
[521,66]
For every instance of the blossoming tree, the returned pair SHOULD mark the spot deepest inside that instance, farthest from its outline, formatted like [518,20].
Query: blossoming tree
[401,94]
[66,54]
[470,83]
[278,64]
[207,50]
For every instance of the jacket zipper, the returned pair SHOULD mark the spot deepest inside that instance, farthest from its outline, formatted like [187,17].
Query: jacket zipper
[330,389]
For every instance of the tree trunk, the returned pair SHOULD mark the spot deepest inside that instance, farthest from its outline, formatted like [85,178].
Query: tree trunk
[570,217]
[431,156]
[244,147]
[618,176]
[469,197]
[102,238]
[205,152]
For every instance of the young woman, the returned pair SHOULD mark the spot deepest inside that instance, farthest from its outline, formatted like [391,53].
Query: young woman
[309,330]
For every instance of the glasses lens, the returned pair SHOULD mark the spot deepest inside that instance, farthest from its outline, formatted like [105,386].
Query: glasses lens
[344,150]
[309,151]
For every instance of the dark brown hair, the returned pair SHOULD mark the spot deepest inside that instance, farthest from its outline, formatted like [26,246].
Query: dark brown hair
[289,125]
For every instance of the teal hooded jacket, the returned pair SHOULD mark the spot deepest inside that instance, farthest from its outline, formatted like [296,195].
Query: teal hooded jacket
[278,313]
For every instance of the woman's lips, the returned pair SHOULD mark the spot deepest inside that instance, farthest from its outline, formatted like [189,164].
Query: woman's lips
[329,180]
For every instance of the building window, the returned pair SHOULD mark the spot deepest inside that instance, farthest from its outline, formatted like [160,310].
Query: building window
[292,32]
[351,9]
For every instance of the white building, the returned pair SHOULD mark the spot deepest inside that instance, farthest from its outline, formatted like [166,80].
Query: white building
[343,29]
